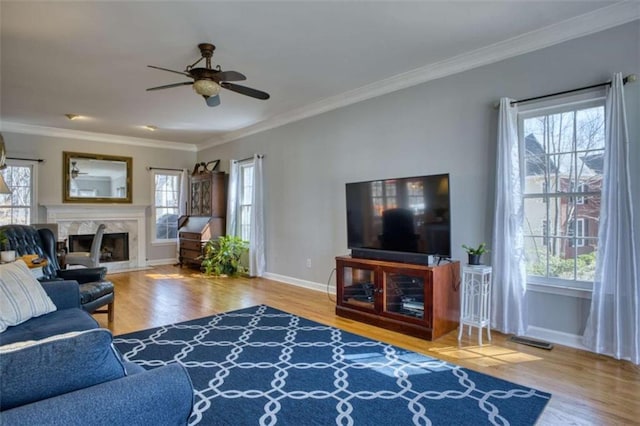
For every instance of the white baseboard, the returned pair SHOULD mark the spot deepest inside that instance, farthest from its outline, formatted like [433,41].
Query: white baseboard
[160,262]
[300,283]
[134,269]
[559,337]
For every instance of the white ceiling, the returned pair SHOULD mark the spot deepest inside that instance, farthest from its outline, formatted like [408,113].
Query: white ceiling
[90,57]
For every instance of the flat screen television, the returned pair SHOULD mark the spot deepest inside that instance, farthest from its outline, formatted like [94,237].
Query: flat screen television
[402,219]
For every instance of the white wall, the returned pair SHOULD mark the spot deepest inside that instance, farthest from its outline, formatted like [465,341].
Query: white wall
[443,126]
[50,172]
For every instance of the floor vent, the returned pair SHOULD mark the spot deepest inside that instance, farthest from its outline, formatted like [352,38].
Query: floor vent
[531,342]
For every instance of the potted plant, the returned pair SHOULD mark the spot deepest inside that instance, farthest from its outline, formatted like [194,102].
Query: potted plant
[222,256]
[475,253]
[6,255]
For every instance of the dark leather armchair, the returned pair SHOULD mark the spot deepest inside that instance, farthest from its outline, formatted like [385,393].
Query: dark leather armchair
[95,290]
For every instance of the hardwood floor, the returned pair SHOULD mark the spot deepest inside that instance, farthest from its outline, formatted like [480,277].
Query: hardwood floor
[587,389]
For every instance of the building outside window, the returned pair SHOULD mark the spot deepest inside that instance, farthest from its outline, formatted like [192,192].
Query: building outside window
[19,206]
[166,190]
[563,149]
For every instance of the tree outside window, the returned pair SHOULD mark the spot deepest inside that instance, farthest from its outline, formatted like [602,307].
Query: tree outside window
[17,207]
[564,151]
[166,187]
[246,200]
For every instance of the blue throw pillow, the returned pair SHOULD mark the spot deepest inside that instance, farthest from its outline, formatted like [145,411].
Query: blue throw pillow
[35,370]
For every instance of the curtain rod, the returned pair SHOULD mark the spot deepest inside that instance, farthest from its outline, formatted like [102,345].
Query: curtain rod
[35,160]
[249,158]
[627,79]
[163,168]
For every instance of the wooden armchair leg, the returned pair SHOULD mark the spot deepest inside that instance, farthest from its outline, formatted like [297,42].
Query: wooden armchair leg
[110,312]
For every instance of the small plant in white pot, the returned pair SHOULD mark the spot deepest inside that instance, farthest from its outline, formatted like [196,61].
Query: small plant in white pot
[6,255]
[475,253]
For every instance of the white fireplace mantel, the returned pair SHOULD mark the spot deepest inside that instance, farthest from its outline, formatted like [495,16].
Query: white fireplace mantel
[83,218]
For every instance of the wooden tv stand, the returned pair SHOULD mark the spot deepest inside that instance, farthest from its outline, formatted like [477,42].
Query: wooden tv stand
[422,301]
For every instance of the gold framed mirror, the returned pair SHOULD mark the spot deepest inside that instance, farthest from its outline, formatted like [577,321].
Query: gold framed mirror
[96,178]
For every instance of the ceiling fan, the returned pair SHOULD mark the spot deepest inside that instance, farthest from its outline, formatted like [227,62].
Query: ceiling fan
[207,81]
[75,171]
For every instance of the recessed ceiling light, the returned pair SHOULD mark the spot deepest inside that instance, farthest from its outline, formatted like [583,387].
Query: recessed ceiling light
[73,116]
[150,128]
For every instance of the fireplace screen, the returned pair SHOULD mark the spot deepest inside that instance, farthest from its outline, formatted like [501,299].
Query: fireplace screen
[114,248]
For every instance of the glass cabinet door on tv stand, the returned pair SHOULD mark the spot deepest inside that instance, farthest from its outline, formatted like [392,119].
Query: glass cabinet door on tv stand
[419,300]
[404,294]
[359,288]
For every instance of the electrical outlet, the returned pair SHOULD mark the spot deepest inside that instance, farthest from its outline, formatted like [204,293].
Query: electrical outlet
[308,263]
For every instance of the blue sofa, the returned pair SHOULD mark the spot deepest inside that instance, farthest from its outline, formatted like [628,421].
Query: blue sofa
[81,379]
[69,316]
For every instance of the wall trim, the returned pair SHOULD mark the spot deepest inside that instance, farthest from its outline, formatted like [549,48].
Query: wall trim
[300,283]
[162,262]
[559,337]
[589,23]
[559,290]
[579,26]
[9,126]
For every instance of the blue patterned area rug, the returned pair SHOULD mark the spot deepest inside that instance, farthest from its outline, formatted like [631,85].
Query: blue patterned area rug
[262,366]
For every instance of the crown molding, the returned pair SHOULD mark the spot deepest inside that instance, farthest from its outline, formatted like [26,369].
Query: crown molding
[579,26]
[13,127]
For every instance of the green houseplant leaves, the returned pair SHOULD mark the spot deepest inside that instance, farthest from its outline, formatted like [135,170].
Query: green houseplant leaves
[222,256]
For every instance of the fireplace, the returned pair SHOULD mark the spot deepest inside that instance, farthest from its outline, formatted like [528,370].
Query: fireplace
[114,247]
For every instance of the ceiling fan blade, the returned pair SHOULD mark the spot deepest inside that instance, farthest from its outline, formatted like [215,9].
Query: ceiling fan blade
[166,69]
[185,83]
[244,90]
[230,76]
[212,100]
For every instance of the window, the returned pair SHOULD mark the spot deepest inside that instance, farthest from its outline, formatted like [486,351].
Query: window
[383,196]
[563,150]
[582,188]
[19,206]
[580,232]
[245,199]
[415,191]
[166,189]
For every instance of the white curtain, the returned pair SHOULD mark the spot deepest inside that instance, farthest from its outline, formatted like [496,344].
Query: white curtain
[184,193]
[509,305]
[256,234]
[613,327]
[232,198]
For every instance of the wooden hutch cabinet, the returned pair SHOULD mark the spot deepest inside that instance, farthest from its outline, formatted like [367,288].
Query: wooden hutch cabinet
[194,233]
[208,195]
[206,219]
[422,301]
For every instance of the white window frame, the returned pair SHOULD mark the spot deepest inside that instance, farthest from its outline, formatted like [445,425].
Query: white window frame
[554,285]
[241,205]
[33,203]
[579,232]
[581,187]
[154,207]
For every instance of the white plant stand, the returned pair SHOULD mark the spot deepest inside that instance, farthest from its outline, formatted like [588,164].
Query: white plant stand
[475,300]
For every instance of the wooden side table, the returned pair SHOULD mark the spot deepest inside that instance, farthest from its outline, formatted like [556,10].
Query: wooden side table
[475,300]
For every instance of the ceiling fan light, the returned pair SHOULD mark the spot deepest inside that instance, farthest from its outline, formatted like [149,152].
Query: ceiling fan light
[206,87]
